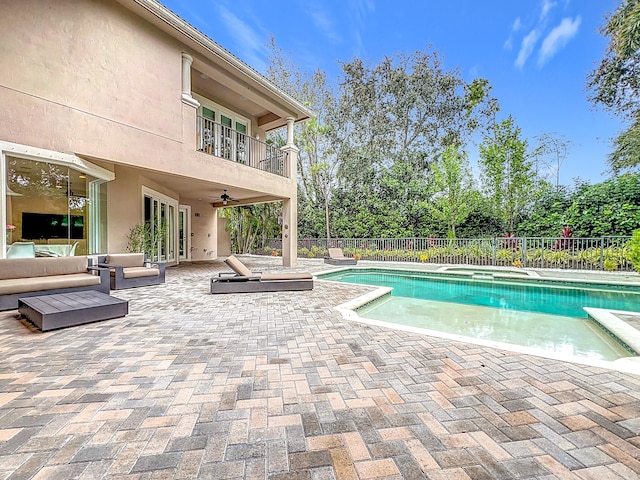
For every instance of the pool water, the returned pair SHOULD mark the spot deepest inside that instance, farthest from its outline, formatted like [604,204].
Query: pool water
[544,315]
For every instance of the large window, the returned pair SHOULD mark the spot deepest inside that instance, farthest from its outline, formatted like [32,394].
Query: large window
[59,209]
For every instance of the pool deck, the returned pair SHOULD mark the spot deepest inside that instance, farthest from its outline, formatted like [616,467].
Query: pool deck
[280,386]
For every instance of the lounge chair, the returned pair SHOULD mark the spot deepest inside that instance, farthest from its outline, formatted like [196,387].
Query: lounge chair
[246,281]
[336,257]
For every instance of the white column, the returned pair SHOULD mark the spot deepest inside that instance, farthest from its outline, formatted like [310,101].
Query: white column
[290,121]
[290,205]
[187,60]
[290,210]
[289,232]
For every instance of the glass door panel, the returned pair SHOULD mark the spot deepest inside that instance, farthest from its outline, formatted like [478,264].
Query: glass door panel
[208,128]
[226,137]
[160,220]
[184,232]
[241,143]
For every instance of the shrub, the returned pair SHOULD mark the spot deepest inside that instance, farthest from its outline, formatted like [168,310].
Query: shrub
[633,248]
[142,238]
[610,265]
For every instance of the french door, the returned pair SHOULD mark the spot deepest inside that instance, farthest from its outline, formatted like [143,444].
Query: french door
[160,218]
[184,232]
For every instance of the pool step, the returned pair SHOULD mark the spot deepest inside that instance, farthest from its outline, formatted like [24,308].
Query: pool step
[482,275]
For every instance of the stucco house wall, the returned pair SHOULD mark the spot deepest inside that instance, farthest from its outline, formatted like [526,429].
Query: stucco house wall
[99,81]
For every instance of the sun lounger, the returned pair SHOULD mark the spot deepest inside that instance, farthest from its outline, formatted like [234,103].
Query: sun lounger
[336,257]
[246,281]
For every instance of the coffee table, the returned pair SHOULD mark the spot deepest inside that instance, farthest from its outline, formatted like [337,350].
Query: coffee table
[48,312]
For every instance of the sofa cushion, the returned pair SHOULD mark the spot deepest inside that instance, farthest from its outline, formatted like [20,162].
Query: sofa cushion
[19,268]
[36,284]
[126,259]
[138,272]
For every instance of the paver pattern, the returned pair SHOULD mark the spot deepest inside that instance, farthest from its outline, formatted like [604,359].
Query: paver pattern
[278,385]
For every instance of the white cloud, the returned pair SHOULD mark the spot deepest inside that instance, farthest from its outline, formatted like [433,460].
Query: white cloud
[558,38]
[547,5]
[517,25]
[526,48]
[250,44]
[361,8]
[323,22]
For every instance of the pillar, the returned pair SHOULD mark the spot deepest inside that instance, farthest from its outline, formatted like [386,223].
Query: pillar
[187,60]
[290,121]
[290,205]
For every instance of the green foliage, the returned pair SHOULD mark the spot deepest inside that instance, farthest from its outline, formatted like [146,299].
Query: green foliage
[614,84]
[626,152]
[548,214]
[507,172]
[633,250]
[452,181]
[251,226]
[379,161]
[144,239]
[608,208]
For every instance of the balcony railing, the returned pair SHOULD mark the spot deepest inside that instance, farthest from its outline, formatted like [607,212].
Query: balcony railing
[216,139]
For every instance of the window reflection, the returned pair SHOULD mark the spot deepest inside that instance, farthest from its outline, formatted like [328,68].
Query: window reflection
[49,205]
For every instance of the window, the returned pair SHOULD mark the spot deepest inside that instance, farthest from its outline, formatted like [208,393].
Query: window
[59,208]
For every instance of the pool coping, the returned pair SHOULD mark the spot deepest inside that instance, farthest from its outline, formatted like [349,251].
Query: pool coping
[442,271]
[621,329]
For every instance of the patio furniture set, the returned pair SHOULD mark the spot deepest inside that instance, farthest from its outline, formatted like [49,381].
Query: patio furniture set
[58,292]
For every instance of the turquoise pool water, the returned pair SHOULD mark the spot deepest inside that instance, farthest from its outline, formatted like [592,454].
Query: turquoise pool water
[538,314]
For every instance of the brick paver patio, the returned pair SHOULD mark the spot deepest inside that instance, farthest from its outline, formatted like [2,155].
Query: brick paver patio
[279,386]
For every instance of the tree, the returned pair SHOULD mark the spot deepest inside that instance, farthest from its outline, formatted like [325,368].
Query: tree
[548,214]
[317,162]
[251,226]
[392,121]
[452,182]
[406,108]
[508,174]
[615,84]
[608,208]
[551,151]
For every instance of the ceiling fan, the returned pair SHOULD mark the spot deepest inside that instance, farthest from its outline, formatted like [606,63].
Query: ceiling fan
[226,198]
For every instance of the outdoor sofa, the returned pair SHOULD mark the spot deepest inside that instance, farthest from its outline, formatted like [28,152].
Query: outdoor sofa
[128,270]
[29,277]
[336,257]
[246,281]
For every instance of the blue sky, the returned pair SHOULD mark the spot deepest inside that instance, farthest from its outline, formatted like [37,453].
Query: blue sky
[535,53]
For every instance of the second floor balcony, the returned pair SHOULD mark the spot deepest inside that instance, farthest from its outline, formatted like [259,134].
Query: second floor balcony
[222,141]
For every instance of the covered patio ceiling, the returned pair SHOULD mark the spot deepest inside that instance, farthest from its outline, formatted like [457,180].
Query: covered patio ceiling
[190,188]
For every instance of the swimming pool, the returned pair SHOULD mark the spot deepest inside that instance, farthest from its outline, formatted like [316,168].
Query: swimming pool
[520,311]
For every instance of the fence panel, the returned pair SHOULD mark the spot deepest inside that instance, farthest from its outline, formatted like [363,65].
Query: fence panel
[601,253]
